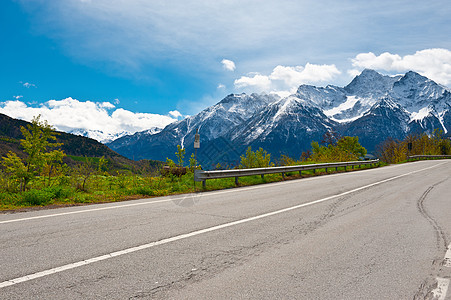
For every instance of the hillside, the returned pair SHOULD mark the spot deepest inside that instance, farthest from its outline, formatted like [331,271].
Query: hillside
[73,145]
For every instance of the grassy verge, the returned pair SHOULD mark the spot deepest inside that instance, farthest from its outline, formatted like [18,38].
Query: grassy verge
[101,189]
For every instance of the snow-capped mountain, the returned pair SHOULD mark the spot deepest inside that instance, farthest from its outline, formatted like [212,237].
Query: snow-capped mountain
[373,107]
[212,123]
[108,137]
[291,121]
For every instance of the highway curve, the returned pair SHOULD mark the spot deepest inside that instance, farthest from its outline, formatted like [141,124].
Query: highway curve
[376,234]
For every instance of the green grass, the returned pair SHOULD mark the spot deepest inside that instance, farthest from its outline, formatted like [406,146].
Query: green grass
[107,188]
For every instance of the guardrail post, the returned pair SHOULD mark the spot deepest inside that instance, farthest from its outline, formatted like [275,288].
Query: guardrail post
[326,170]
[300,173]
[336,169]
[263,176]
[236,181]
[283,176]
[204,184]
[346,168]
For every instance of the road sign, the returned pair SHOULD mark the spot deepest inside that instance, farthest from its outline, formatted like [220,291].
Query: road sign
[197,140]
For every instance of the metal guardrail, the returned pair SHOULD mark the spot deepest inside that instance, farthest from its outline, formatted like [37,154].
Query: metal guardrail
[200,175]
[418,157]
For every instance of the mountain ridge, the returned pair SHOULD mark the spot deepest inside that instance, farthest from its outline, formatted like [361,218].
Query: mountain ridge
[372,106]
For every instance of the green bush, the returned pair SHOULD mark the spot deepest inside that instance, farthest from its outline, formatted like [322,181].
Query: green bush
[82,198]
[257,159]
[37,197]
[8,198]
[143,190]
[58,192]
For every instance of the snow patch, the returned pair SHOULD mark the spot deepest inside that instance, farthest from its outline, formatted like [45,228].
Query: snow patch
[348,104]
[421,114]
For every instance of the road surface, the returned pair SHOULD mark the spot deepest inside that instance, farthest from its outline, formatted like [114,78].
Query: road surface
[375,234]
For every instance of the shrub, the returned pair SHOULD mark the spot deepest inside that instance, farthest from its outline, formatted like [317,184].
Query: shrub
[143,190]
[37,197]
[58,192]
[8,198]
[257,159]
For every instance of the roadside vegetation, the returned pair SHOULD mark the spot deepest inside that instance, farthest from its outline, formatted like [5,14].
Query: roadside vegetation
[395,151]
[41,178]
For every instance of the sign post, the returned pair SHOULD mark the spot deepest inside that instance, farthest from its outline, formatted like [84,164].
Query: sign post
[196,146]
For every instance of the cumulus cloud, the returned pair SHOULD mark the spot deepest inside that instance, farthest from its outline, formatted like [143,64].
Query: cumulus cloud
[287,78]
[258,81]
[73,115]
[432,63]
[175,114]
[311,73]
[228,65]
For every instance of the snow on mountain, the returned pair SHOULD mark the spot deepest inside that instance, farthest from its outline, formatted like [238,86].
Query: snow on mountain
[103,137]
[290,122]
[324,97]
[351,102]
[384,119]
[418,95]
[373,107]
[213,122]
[415,92]
[108,137]
[370,84]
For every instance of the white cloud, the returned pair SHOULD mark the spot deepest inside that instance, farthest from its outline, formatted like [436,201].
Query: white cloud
[228,65]
[28,85]
[221,86]
[17,97]
[432,63]
[353,72]
[258,81]
[175,114]
[311,73]
[284,79]
[70,114]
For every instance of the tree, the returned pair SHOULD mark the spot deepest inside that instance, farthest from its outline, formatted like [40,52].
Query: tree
[351,147]
[38,137]
[192,162]
[346,148]
[257,159]
[180,154]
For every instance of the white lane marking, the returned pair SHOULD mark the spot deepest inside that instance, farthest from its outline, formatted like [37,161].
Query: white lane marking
[191,234]
[181,198]
[442,288]
[447,262]
[88,210]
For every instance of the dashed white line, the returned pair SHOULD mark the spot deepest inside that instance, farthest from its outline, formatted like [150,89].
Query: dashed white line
[191,234]
[442,288]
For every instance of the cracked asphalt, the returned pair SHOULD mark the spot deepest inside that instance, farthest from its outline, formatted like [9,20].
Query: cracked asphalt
[386,241]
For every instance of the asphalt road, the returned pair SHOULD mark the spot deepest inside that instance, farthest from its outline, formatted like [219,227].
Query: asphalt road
[374,234]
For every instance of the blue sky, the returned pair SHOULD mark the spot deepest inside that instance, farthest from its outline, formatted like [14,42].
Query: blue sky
[142,63]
